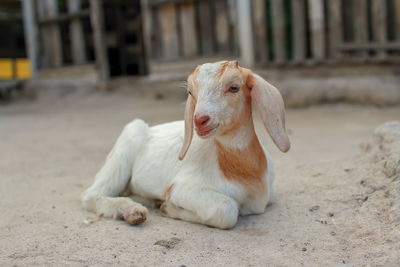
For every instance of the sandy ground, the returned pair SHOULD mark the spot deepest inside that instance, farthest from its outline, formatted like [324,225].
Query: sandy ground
[331,206]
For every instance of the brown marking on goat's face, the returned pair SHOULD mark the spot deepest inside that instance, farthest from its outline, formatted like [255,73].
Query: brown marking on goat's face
[228,110]
[246,166]
[244,114]
[226,65]
[167,191]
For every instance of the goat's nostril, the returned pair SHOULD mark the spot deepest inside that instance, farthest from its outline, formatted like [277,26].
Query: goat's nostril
[202,120]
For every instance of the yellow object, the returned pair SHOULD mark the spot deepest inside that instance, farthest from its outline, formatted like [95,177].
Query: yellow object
[22,68]
[6,68]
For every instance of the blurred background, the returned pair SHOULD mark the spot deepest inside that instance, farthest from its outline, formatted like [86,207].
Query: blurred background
[313,50]
[74,72]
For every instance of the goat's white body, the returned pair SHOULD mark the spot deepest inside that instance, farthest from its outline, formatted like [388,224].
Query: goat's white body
[225,173]
[197,183]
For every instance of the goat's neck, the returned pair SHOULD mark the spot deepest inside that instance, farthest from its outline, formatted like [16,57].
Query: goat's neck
[240,138]
[241,157]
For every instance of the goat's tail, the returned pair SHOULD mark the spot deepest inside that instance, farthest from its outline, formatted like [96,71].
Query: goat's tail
[114,176]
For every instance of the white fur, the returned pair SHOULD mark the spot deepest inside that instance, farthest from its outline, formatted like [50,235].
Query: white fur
[151,164]
[146,160]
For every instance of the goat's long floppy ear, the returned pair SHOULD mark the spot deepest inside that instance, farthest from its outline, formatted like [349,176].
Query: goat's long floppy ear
[189,112]
[271,108]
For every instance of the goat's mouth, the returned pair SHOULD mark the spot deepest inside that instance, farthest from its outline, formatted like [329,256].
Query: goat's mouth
[207,132]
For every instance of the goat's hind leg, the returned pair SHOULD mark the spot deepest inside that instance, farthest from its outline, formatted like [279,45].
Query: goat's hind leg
[202,206]
[102,197]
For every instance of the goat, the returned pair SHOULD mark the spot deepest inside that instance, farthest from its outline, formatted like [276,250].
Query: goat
[225,173]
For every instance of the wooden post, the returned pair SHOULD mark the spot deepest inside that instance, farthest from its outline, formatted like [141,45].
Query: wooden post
[299,30]
[56,56]
[233,27]
[51,39]
[31,35]
[169,30]
[278,30]
[397,14]
[206,32]
[97,20]
[221,26]
[146,31]
[379,17]
[335,28]
[260,31]
[361,26]
[317,25]
[188,30]
[156,33]
[245,33]
[76,34]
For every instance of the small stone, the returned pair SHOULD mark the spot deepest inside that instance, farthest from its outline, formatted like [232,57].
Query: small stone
[314,208]
[347,170]
[333,233]
[168,243]
[331,214]
[304,249]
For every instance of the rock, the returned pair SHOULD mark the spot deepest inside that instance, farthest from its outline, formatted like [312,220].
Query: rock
[168,243]
[384,150]
[314,208]
[385,146]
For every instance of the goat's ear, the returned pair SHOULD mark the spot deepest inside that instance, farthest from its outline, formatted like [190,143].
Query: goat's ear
[189,112]
[270,105]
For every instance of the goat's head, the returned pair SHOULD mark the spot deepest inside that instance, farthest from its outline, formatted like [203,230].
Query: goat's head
[221,93]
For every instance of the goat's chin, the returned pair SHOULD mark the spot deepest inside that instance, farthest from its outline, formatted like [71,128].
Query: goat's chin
[207,134]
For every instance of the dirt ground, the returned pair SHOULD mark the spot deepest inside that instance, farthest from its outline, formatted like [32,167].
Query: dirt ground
[332,206]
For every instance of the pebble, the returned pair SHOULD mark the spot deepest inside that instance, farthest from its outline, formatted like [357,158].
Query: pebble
[314,208]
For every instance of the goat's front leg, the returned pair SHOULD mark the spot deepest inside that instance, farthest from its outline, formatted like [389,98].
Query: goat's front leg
[203,206]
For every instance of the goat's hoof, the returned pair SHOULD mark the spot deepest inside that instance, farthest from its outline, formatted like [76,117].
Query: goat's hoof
[135,216]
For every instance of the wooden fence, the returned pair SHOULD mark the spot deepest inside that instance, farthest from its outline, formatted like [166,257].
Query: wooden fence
[120,34]
[185,29]
[73,32]
[284,31]
[307,31]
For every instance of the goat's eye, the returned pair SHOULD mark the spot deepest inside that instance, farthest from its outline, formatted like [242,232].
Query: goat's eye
[234,89]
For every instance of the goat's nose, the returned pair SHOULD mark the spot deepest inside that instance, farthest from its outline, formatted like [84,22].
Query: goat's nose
[201,121]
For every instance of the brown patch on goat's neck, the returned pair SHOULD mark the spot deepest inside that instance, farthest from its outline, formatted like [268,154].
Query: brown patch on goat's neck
[167,191]
[246,166]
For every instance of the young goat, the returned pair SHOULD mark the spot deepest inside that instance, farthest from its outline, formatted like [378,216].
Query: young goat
[226,171]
